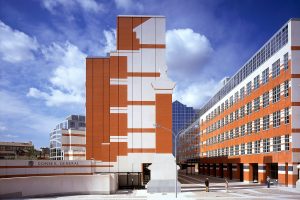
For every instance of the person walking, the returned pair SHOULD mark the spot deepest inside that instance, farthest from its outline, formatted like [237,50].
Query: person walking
[207,185]
[226,184]
[268,181]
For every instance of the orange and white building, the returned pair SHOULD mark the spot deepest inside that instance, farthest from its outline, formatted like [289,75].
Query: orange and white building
[250,129]
[127,93]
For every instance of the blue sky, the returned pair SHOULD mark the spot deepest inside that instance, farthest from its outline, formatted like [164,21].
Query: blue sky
[43,45]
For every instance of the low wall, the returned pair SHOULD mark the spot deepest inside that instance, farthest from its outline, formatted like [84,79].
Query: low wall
[58,185]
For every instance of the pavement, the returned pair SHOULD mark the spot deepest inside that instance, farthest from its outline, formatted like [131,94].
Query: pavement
[193,188]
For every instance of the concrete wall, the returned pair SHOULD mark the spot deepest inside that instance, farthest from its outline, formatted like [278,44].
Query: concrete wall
[58,185]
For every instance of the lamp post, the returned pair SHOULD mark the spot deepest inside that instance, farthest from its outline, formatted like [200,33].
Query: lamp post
[179,133]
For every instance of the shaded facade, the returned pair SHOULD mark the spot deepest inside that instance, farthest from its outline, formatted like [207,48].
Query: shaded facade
[127,93]
[250,129]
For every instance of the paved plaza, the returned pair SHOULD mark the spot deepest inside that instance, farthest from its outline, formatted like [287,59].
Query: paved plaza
[193,188]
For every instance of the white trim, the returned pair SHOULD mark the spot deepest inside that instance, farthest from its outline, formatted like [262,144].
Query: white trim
[118,109]
[118,81]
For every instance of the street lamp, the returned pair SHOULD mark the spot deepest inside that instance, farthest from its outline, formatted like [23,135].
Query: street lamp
[179,133]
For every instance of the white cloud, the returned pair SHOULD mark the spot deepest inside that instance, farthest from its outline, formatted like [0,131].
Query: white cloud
[187,52]
[129,5]
[2,128]
[8,136]
[16,46]
[67,82]
[110,40]
[86,5]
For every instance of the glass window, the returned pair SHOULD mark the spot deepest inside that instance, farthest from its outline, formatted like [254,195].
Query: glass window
[276,68]
[249,88]
[266,145]
[242,130]
[226,104]
[286,61]
[236,97]
[231,134]
[287,142]
[242,92]
[231,101]
[276,94]
[265,76]
[249,148]
[237,132]
[276,143]
[256,104]
[249,108]
[276,119]
[231,151]
[237,114]
[266,100]
[231,118]
[242,112]
[249,127]
[286,88]
[256,125]
[242,149]
[257,146]
[266,122]
[256,82]
[286,116]
[236,150]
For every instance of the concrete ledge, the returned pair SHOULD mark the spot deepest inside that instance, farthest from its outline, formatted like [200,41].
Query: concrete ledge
[58,185]
[159,186]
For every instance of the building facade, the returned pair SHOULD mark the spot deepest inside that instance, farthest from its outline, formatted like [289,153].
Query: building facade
[68,139]
[250,129]
[127,95]
[16,150]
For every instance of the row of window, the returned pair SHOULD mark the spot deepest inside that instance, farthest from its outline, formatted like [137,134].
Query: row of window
[268,50]
[255,126]
[255,106]
[275,144]
[246,90]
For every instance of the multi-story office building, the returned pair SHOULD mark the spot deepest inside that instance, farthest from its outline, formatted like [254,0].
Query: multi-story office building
[182,117]
[250,128]
[16,150]
[129,101]
[67,140]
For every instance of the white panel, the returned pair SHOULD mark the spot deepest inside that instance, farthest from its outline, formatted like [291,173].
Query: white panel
[296,62]
[148,31]
[295,117]
[148,60]
[295,32]
[118,109]
[160,59]
[136,62]
[117,81]
[160,30]
[296,140]
[134,89]
[141,116]
[141,140]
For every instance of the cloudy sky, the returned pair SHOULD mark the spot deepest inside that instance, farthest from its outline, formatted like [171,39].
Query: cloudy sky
[43,45]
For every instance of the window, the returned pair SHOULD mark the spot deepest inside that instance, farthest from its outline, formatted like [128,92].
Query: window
[277,143]
[249,108]
[286,61]
[249,148]
[286,88]
[276,69]
[231,134]
[236,150]
[249,127]
[256,104]
[226,104]
[256,82]
[242,92]
[266,145]
[242,112]
[287,142]
[226,119]
[248,88]
[276,119]
[242,149]
[276,94]
[242,130]
[236,97]
[237,132]
[231,151]
[222,107]
[236,114]
[265,76]
[266,100]
[257,146]
[231,117]
[231,101]
[286,116]
[266,122]
[256,125]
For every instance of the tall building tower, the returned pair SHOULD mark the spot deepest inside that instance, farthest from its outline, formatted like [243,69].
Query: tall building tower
[129,100]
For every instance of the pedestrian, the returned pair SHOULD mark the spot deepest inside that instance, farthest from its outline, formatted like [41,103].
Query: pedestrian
[207,185]
[226,184]
[268,181]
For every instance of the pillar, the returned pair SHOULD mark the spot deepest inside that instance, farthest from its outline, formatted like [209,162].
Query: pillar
[283,173]
[262,176]
[247,176]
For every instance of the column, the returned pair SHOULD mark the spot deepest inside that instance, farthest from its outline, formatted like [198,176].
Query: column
[247,176]
[262,173]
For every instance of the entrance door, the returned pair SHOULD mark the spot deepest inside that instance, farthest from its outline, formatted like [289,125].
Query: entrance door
[229,169]
[146,173]
[241,172]
[274,171]
[215,169]
[221,170]
[255,172]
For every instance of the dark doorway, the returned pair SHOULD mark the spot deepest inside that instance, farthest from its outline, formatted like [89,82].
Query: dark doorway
[146,173]
[255,172]
[229,170]
[221,170]
[208,169]
[215,169]
[274,171]
[241,166]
